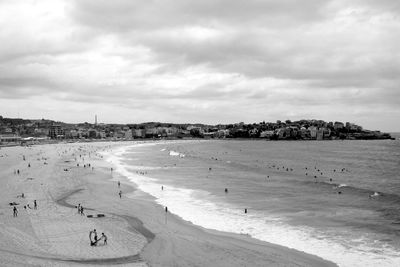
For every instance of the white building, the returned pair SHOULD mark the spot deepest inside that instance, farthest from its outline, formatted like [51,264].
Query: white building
[10,139]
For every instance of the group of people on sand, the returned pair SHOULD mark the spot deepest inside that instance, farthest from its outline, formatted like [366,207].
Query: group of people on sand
[15,210]
[34,205]
[94,238]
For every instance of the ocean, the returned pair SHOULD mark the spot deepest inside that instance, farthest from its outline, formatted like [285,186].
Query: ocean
[339,200]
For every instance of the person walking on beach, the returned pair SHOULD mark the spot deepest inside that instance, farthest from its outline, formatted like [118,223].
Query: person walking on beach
[15,211]
[35,204]
[120,194]
[104,237]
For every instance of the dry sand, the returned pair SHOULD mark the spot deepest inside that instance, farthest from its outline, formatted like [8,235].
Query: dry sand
[139,232]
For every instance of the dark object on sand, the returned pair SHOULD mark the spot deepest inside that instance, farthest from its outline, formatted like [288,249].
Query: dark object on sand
[90,216]
[101,215]
[13,203]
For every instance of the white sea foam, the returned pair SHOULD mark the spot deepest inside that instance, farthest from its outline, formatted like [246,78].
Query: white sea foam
[375,194]
[174,153]
[200,208]
[146,168]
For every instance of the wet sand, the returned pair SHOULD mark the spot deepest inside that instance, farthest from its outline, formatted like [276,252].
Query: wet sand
[139,231]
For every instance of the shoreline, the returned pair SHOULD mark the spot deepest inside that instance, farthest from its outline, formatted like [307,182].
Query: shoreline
[148,140]
[228,235]
[133,223]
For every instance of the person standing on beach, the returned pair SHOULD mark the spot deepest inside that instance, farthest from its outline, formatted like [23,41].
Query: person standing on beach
[104,237]
[90,237]
[120,194]
[35,204]
[15,211]
[95,237]
[119,184]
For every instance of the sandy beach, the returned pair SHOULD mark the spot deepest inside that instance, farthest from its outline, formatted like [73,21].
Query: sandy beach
[140,232]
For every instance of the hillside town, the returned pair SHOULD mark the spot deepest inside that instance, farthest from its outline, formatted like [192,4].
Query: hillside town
[23,131]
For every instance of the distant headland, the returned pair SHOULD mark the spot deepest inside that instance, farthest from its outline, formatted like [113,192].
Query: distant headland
[20,131]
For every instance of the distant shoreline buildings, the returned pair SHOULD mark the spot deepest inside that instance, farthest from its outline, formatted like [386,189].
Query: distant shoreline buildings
[21,131]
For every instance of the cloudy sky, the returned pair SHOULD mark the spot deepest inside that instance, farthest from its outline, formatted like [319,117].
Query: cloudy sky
[208,61]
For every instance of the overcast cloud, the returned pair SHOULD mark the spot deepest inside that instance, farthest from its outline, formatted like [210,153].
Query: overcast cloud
[209,61]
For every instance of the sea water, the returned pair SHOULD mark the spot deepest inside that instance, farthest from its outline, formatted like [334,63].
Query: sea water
[339,200]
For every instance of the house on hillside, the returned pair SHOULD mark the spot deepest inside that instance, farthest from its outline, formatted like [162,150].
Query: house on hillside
[313,132]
